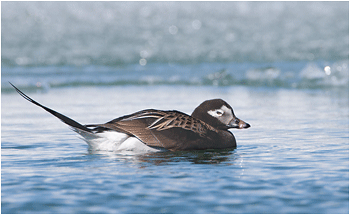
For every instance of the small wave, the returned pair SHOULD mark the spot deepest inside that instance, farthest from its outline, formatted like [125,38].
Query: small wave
[287,75]
[336,75]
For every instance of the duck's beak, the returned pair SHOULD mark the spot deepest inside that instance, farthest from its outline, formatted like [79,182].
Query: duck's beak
[237,123]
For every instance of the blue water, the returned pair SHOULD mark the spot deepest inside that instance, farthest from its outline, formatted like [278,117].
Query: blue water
[282,66]
[294,158]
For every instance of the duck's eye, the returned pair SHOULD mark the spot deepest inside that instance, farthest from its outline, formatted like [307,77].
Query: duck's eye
[216,113]
[219,112]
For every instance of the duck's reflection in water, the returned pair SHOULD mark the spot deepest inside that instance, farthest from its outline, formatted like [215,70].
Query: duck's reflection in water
[194,157]
[226,156]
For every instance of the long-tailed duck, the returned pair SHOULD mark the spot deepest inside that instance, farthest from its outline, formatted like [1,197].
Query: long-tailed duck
[154,130]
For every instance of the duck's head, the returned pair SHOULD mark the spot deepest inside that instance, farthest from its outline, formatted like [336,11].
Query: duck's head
[219,114]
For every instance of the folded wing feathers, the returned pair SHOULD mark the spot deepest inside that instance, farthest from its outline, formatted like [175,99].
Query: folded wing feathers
[168,123]
[154,123]
[166,120]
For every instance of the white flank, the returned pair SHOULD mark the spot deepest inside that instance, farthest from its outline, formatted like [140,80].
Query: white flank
[113,141]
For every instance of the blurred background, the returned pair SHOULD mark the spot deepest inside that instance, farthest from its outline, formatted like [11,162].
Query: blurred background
[194,43]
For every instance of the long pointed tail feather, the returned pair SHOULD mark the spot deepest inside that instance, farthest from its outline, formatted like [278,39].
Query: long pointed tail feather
[63,118]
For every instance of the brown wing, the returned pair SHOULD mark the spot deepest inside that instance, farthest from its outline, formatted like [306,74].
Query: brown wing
[167,129]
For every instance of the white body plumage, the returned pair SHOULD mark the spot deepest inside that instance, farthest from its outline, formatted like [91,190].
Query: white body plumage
[113,141]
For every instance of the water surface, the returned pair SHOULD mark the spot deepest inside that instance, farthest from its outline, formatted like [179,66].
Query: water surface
[294,158]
